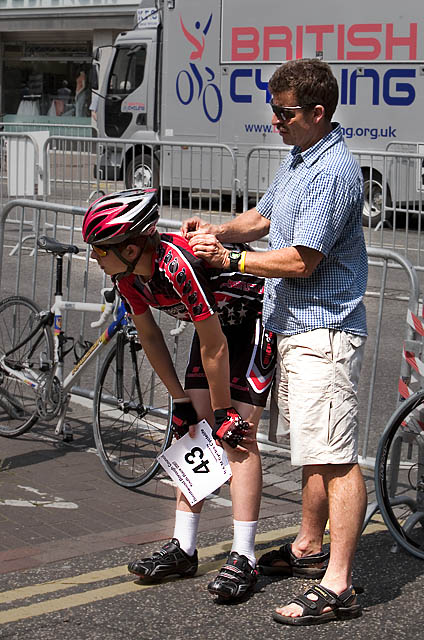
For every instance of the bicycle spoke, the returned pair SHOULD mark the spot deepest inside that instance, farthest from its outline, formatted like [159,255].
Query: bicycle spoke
[400,475]
[132,418]
[18,409]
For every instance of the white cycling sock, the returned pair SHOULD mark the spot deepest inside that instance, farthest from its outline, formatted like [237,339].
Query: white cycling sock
[185,530]
[244,539]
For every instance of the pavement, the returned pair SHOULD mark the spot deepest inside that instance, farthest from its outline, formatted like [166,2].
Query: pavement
[56,501]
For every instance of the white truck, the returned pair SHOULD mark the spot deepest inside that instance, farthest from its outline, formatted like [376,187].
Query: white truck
[197,71]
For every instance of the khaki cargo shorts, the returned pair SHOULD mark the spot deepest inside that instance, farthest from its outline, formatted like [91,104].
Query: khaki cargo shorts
[316,393]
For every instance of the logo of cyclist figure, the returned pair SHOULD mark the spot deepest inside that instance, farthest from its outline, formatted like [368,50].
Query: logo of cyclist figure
[185,83]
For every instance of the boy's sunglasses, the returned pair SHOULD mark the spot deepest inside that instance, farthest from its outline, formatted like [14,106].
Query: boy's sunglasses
[286,113]
[100,251]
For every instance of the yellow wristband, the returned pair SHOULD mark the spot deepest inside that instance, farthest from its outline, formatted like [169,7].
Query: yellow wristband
[242,261]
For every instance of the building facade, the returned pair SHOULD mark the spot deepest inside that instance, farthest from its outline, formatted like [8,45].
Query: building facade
[46,49]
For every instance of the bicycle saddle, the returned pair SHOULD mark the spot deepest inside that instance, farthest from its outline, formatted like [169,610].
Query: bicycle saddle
[56,247]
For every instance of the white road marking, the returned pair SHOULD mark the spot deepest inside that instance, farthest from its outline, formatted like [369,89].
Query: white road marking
[53,503]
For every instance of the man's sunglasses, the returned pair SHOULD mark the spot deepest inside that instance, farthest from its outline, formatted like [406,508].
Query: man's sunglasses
[286,113]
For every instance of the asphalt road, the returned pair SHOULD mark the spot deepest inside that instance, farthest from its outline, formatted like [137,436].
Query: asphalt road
[93,596]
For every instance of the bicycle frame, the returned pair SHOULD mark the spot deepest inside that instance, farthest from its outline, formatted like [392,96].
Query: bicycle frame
[56,314]
[107,335]
[54,318]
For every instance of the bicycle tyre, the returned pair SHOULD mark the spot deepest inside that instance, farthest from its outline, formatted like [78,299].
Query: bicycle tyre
[18,401]
[399,475]
[130,431]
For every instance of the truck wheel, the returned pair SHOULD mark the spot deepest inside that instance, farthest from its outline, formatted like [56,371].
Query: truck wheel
[142,172]
[372,212]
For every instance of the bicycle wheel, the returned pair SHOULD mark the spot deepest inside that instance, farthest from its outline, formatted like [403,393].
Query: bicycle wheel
[18,400]
[132,422]
[399,475]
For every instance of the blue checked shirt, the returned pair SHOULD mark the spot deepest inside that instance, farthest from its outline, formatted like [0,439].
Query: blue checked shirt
[316,201]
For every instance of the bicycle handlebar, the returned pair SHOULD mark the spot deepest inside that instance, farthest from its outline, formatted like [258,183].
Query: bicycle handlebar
[109,306]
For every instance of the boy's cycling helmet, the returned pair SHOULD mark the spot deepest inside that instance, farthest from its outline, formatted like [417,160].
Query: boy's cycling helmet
[119,216]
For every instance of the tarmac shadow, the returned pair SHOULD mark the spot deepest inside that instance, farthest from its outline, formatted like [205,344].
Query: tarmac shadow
[57,448]
[379,575]
[382,573]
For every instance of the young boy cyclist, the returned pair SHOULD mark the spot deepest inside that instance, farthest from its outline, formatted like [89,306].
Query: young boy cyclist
[228,376]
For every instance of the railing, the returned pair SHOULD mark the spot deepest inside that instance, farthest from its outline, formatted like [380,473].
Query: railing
[393,189]
[189,176]
[8,125]
[26,271]
[205,178]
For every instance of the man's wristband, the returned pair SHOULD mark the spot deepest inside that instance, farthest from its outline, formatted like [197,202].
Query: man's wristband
[242,261]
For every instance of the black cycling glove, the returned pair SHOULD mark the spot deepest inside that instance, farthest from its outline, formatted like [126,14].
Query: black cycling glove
[183,415]
[229,426]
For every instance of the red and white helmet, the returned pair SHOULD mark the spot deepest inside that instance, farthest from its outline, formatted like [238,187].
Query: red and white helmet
[119,216]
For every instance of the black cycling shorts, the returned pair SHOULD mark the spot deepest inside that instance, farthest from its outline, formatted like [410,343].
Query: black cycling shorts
[252,352]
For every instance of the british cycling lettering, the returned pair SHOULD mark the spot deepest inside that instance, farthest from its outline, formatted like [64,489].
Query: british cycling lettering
[186,82]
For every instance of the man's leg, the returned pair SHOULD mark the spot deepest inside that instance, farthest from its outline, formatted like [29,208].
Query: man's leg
[345,488]
[314,513]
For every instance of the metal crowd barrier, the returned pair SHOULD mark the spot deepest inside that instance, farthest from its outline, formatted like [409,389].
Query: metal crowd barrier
[190,176]
[205,179]
[20,170]
[382,368]
[29,272]
[59,129]
[75,170]
[26,271]
[393,189]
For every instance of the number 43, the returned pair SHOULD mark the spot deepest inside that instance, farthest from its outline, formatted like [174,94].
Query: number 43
[190,458]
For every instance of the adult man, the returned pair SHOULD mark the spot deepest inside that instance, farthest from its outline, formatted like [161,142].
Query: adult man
[230,370]
[316,270]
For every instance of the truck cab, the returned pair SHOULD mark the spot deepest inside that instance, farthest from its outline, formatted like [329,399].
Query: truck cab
[131,108]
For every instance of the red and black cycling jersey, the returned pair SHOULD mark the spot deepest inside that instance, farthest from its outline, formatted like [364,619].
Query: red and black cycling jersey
[187,288]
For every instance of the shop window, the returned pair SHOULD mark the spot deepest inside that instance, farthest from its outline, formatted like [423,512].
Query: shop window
[35,86]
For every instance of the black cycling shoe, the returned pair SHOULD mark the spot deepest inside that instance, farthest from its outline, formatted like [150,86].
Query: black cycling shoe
[171,560]
[235,580]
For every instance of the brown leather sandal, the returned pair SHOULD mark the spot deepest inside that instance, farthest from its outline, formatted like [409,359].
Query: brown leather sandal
[295,567]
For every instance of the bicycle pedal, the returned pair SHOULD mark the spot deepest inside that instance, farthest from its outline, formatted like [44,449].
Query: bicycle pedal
[67,434]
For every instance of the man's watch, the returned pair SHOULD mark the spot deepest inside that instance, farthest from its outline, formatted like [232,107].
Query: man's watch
[234,257]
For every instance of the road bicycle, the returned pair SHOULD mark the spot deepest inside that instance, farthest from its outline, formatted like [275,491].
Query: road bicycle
[399,475]
[131,407]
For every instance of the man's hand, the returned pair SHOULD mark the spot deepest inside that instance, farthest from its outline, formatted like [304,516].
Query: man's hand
[184,416]
[207,247]
[195,225]
[229,427]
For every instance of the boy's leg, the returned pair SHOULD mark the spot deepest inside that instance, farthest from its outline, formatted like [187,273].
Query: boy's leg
[246,482]
[179,556]
[187,516]
[237,577]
